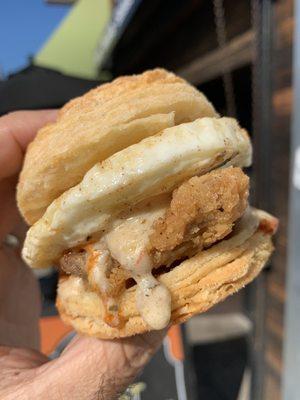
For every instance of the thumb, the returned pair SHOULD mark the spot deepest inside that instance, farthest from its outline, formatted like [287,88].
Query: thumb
[96,369]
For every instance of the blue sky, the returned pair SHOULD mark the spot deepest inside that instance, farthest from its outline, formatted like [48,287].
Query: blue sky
[24,27]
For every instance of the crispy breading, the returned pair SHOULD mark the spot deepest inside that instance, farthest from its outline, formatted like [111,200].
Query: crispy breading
[203,210]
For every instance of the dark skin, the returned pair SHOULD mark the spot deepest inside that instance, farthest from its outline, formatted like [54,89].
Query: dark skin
[88,368]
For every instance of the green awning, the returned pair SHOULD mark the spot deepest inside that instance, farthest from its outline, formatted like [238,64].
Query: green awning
[71,47]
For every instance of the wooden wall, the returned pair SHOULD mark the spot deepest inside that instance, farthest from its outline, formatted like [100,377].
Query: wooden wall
[282,107]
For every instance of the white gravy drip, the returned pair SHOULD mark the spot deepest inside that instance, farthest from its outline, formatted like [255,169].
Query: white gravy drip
[127,243]
[153,301]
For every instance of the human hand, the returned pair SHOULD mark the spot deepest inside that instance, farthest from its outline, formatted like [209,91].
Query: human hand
[19,292]
[88,368]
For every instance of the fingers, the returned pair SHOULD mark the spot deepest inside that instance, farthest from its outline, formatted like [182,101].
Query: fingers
[17,372]
[8,208]
[20,305]
[91,369]
[17,129]
[20,359]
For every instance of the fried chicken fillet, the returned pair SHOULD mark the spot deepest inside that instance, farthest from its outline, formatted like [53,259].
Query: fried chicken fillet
[202,210]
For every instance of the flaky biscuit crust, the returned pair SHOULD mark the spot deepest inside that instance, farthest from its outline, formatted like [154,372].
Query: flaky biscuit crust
[96,125]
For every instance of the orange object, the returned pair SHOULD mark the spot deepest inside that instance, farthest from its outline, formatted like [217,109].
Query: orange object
[175,343]
[52,330]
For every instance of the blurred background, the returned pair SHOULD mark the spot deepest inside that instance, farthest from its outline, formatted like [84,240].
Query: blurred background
[244,55]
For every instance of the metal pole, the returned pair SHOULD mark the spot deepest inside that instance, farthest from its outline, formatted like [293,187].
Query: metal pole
[291,374]
[261,81]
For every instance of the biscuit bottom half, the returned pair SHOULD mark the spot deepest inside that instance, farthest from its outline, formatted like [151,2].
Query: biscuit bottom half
[195,285]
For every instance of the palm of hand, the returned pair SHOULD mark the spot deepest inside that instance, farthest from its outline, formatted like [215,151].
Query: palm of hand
[88,368]
[19,292]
